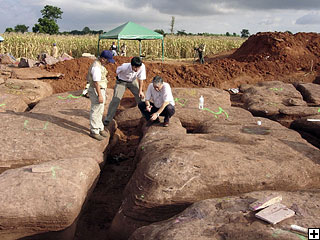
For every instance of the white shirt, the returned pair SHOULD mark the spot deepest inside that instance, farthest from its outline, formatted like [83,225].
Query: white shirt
[96,73]
[158,98]
[126,73]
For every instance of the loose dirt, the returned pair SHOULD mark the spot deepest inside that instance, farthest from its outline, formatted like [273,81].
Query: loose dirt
[263,57]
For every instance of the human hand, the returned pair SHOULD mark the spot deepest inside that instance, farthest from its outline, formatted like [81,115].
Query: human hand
[141,95]
[148,108]
[100,99]
[154,116]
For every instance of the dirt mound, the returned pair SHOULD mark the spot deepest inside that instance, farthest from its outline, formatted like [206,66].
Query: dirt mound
[279,46]
[263,57]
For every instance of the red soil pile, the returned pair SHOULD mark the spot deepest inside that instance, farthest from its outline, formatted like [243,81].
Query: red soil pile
[263,57]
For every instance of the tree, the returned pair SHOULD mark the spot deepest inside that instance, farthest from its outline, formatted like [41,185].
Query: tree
[227,34]
[172,24]
[245,33]
[86,30]
[9,30]
[46,26]
[160,31]
[51,12]
[182,33]
[48,23]
[21,28]
[234,34]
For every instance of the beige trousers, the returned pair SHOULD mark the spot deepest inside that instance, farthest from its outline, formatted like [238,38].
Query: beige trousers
[97,109]
[119,90]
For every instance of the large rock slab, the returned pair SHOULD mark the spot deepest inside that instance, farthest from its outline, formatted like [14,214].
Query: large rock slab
[10,102]
[57,127]
[30,91]
[310,92]
[186,103]
[310,125]
[230,218]
[224,156]
[33,73]
[267,98]
[45,198]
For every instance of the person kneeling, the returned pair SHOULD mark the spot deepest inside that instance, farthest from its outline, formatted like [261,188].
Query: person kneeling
[162,102]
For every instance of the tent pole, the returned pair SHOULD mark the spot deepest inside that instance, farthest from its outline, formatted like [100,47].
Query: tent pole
[139,47]
[118,45]
[162,50]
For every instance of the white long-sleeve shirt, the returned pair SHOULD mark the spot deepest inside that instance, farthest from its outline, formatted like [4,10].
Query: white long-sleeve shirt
[126,73]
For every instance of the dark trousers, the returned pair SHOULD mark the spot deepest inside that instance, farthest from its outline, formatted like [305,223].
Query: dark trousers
[167,112]
[201,57]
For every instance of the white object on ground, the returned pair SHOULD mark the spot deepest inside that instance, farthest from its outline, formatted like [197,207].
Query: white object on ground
[201,102]
[259,123]
[299,229]
[234,90]
[275,213]
[313,120]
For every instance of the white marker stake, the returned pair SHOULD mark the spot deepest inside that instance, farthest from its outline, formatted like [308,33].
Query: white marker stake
[299,229]
[313,120]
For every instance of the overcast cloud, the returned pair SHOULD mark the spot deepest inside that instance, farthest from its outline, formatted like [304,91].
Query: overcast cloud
[213,16]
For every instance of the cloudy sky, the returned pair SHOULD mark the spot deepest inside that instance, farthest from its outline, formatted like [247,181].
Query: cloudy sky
[212,16]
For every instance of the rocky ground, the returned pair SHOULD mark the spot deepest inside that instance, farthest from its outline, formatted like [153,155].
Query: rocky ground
[203,155]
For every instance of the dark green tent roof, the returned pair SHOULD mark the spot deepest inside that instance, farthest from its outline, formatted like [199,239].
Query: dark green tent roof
[132,31]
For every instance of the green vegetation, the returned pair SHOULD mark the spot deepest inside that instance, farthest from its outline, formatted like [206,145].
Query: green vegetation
[30,45]
[48,22]
[245,33]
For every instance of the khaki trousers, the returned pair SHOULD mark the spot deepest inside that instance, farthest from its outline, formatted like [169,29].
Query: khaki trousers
[119,90]
[97,109]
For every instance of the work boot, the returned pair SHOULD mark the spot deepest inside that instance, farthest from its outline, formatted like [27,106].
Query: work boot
[166,122]
[96,136]
[104,133]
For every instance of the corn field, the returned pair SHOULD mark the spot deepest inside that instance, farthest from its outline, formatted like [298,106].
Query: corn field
[30,45]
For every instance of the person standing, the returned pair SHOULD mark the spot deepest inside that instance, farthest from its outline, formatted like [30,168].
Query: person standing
[123,50]
[55,51]
[201,49]
[97,80]
[162,102]
[114,49]
[128,75]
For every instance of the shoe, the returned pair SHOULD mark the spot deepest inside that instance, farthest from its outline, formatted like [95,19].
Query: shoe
[106,123]
[104,133]
[166,123]
[96,136]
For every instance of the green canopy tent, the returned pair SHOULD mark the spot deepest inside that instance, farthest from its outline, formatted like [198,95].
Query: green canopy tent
[131,31]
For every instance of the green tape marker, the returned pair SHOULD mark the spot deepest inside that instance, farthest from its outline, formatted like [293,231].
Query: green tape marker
[69,96]
[177,100]
[53,171]
[3,104]
[217,113]
[27,121]
[276,89]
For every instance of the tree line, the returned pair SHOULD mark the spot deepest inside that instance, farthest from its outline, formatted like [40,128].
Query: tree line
[48,24]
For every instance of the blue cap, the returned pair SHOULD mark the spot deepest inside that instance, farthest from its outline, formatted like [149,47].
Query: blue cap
[107,55]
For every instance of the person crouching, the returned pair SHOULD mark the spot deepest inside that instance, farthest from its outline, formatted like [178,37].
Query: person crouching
[162,102]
